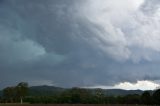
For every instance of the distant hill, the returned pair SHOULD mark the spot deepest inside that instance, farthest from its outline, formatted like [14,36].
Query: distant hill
[0,93]
[52,90]
[121,92]
[44,90]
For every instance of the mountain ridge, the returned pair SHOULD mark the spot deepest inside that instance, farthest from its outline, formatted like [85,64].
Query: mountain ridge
[46,90]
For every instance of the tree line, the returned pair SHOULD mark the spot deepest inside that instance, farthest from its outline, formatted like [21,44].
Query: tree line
[84,96]
[15,93]
[19,93]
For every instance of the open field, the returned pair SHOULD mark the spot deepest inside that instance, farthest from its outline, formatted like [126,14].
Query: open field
[68,105]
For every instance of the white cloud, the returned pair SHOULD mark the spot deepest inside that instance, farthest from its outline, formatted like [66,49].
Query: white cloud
[142,85]
[122,30]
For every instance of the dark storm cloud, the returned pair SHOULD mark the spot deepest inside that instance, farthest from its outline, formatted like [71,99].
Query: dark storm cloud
[36,36]
[52,42]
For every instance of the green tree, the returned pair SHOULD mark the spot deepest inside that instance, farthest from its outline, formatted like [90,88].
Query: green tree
[9,93]
[100,96]
[146,98]
[156,97]
[21,90]
[133,99]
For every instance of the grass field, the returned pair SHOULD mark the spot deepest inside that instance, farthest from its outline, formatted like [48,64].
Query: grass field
[67,105]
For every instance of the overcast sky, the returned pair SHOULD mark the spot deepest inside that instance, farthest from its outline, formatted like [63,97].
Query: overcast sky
[82,43]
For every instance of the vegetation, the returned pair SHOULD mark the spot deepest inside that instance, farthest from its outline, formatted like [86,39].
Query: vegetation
[21,93]
[16,93]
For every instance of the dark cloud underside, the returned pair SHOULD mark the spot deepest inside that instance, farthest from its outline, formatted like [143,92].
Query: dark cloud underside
[60,42]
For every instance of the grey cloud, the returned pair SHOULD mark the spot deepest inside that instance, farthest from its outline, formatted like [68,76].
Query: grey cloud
[128,37]
[150,7]
[52,42]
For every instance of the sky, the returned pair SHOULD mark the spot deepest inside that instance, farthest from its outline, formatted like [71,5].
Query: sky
[80,43]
